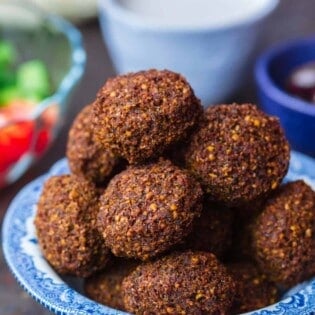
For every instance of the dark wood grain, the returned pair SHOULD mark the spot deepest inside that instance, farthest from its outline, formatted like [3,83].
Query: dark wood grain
[292,19]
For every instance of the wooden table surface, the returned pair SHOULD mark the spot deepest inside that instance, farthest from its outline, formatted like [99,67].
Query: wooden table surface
[292,19]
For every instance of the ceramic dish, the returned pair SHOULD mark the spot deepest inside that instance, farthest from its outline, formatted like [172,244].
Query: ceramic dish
[35,275]
[272,70]
[198,41]
[28,128]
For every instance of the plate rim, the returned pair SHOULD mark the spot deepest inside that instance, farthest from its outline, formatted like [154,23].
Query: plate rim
[60,167]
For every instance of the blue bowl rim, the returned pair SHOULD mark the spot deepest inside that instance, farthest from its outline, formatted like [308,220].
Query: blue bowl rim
[78,55]
[300,165]
[132,19]
[265,83]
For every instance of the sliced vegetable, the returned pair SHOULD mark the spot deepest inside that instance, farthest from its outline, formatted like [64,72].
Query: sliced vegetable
[9,94]
[22,88]
[7,55]
[15,140]
[7,78]
[33,80]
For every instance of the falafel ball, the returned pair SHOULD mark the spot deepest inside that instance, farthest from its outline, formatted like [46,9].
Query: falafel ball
[105,287]
[66,226]
[239,154]
[139,115]
[241,247]
[212,231]
[86,157]
[283,234]
[244,217]
[147,209]
[180,283]
[253,289]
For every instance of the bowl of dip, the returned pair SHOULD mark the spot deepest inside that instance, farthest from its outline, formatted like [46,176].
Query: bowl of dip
[208,41]
[284,78]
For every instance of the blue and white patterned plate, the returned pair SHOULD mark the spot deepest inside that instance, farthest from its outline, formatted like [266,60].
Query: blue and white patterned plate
[35,275]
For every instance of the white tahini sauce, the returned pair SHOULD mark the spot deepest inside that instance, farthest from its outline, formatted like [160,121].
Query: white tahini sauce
[195,13]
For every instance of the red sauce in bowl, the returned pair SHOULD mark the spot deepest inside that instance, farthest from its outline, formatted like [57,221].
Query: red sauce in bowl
[301,82]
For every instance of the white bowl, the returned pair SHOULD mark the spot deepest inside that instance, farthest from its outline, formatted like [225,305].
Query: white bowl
[208,41]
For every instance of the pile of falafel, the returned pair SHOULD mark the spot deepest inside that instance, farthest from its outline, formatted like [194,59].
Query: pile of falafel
[175,209]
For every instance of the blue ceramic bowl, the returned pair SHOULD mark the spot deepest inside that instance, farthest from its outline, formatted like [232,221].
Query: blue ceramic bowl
[63,296]
[296,116]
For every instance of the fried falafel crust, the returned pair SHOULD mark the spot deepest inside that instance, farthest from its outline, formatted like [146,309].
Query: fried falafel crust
[147,209]
[86,157]
[253,289]
[283,234]
[239,153]
[66,226]
[212,231]
[105,286]
[180,283]
[139,115]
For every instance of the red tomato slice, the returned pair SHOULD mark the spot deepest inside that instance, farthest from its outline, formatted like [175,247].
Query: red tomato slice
[16,111]
[15,140]
[43,140]
[16,133]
